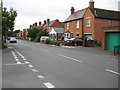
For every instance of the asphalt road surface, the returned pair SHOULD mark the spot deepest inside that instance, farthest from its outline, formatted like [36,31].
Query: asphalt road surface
[34,65]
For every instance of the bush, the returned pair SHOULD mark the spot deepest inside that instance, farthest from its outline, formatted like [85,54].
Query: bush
[47,41]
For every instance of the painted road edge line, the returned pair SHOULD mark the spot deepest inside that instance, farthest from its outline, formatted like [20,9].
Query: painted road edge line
[69,58]
[40,76]
[112,71]
[49,85]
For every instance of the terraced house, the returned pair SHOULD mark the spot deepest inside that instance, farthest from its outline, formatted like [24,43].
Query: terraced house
[94,23]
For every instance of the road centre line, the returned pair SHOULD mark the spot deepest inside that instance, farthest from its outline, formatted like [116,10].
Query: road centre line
[69,58]
[108,70]
[49,85]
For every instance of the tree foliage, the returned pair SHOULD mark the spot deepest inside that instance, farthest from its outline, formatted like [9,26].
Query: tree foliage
[32,33]
[8,20]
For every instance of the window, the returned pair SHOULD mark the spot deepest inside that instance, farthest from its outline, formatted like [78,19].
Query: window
[77,23]
[109,22]
[88,22]
[67,26]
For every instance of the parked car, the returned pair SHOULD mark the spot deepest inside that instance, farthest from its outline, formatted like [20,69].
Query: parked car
[74,42]
[8,38]
[13,40]
[43,38]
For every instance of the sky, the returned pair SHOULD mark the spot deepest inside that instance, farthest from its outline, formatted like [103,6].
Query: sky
[31,11]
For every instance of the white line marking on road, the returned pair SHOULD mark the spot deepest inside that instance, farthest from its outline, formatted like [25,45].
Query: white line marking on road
[26,62]
[112,71]
[19,62]
[70,58]
[10,47]
[34,70]
[16,59]
[49,85]
[24,59]
[40,76]
[30,66]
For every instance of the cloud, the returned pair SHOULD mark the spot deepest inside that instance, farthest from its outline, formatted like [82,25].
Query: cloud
[31,11]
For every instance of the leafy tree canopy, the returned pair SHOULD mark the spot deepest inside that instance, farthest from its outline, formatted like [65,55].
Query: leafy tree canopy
[8,20]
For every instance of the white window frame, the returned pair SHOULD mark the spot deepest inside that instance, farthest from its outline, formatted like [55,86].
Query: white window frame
[77,24]
[67,26]
[110,22]
[88,22]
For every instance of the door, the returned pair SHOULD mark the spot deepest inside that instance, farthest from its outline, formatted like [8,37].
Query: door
[89,36]
[112,39]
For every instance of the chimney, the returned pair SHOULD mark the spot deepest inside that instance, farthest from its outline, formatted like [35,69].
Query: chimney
[72,10]
[44,22]
[35,24]
[39,23]
[91,4]
[48,20]
[30,26]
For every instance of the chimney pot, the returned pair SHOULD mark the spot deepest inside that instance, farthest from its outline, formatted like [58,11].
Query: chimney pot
[35,24]
[91,4]
[39,23]
[44,21]
[48,20]
[72,10]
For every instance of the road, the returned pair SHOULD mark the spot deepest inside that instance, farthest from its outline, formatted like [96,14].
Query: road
[34,65]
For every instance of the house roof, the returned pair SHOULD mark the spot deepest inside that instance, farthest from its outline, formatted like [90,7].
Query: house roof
[50,23]
[58,30]
[105,14]
[98,13]
[76,15]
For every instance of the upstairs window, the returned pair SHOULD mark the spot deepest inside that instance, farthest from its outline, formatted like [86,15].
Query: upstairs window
[67,26]
[77,23]
[109,22]
[88,22]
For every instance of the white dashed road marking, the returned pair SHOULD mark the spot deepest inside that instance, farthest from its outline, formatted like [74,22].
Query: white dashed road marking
[112,71]
[34,70]
[30,66]
[26,62]
[40,76]
[19,62]
[69,58]
[49,85]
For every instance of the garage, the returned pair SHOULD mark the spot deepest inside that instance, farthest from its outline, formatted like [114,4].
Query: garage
[112,39]
[89,36]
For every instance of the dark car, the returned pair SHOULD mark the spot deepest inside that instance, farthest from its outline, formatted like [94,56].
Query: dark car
[74,42]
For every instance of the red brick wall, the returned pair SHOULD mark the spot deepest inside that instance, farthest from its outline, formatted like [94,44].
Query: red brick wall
[73,29]
[99,32]
[90,29]
[57,23]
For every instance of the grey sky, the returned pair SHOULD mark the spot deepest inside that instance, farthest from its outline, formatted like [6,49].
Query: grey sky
[31,11]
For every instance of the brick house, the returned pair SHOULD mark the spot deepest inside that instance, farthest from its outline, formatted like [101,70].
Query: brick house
[90,22]
[50,24]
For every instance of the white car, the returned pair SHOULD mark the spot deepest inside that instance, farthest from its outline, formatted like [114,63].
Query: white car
[13,40]
[43,38]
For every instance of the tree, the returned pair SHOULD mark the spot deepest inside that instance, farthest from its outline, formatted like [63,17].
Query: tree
[32,33]
[16,32]
[8,20]
[41,33]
